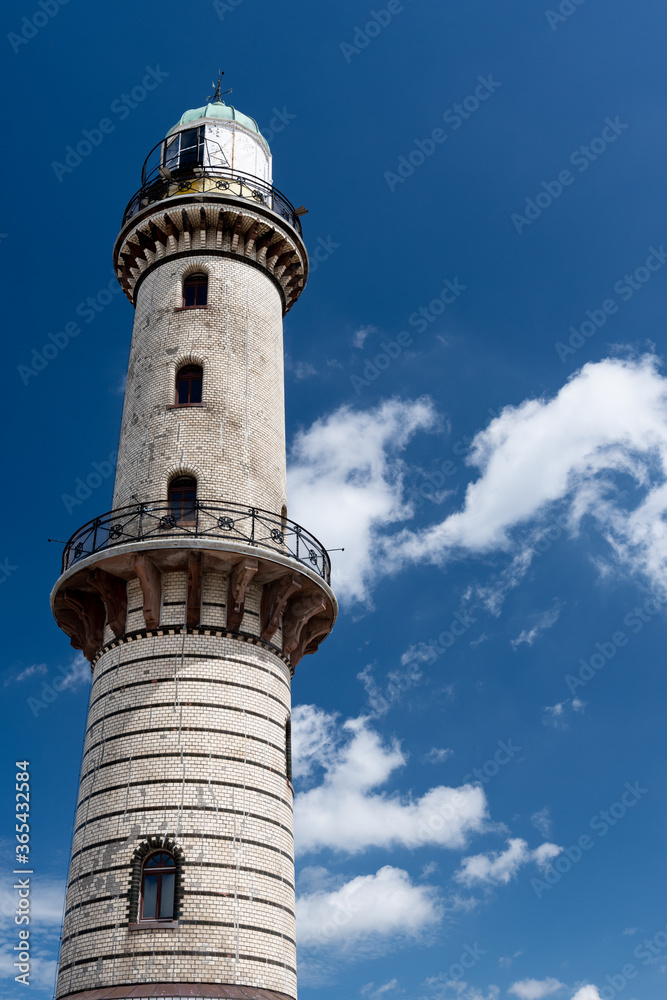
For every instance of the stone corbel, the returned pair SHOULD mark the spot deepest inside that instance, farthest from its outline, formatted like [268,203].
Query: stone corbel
[274,598]
[194,589]
[298,613]
[113,592]
[151,588]
[239,581]
[311,636]
[89,611]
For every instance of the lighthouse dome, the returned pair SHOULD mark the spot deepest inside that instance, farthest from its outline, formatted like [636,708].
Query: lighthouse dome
[218,110]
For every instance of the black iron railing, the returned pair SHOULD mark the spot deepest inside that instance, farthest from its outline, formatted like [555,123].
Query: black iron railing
[210,181]
[198,519]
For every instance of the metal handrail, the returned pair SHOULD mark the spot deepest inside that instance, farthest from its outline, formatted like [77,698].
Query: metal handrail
[210,181]
[197,519]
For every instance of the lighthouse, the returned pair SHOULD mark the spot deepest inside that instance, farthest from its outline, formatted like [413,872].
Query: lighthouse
[195,597]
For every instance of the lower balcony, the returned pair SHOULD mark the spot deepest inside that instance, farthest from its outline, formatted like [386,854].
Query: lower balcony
[198,519]
[256,556]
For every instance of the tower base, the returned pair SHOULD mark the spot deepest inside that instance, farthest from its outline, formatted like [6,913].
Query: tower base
[193,991]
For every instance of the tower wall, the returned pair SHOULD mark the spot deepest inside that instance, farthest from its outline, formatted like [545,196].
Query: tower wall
[235,442]
[185,741]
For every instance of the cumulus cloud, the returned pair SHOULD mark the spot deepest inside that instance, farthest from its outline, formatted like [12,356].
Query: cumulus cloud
[543,622]
[313,736]
[587,993]
[500,867]
[609,421]
[346,484]
[368,914]
[346,812]
[535,989]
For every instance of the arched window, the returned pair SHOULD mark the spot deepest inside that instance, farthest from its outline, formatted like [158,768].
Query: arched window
[158,879]
[188,385]
[195,290]
[183,499]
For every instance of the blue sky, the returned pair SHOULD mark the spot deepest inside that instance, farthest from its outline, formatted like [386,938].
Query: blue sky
[476,405]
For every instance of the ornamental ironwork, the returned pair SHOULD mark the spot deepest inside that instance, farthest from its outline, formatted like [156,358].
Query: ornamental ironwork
[200,519]
[205,181]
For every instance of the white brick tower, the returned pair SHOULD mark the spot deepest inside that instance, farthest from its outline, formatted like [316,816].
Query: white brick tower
[195,597]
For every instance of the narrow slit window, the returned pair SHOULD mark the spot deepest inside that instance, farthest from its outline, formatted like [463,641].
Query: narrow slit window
[288,749]
[189,385]
[183,499]
[158,881]
[195,291]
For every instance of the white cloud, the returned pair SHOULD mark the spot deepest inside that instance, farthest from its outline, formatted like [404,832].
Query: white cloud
[587,993]
[610,419]
[505,961]
[438,755]
[346,484]
[543,467]
[500,867]
[35,669]
[360,335]
[78,673]
[544,622]
[345,812]
[443,987]
[555,715]
[370,913]
[304,369]
[541,820]
[535,989]
[374,994]
[313,736]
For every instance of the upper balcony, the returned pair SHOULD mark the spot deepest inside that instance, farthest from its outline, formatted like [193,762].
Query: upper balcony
[193,162]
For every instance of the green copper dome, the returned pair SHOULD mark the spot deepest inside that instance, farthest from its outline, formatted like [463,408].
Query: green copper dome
[217,110]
